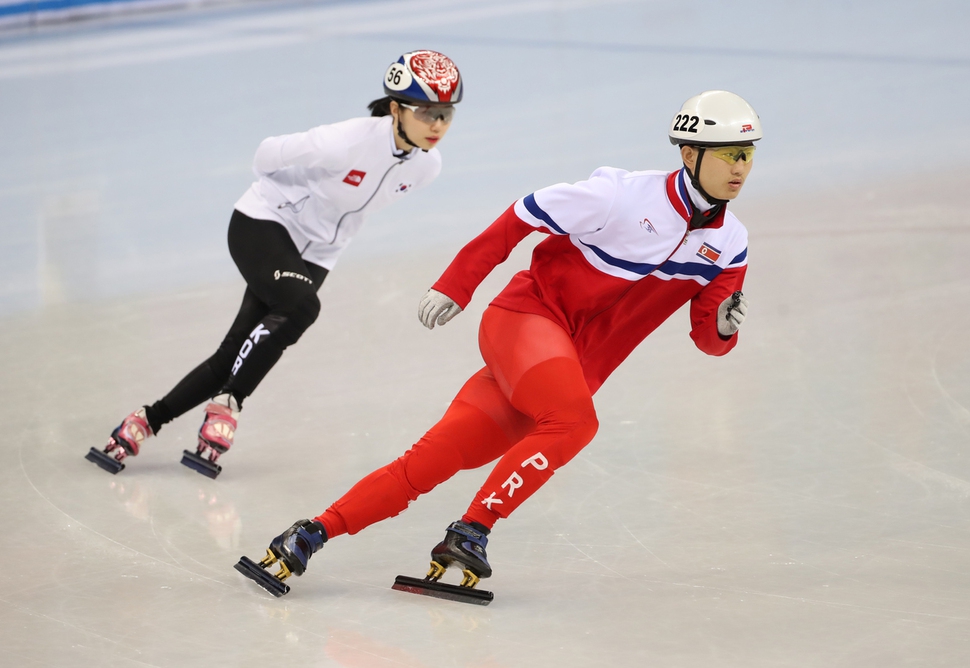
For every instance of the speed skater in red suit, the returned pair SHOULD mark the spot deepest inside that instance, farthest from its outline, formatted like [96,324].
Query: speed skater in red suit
[625,251]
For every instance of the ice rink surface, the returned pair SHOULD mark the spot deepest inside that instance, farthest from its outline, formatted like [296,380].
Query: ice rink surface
[803,501]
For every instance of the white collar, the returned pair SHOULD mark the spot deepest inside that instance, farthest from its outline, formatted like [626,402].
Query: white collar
[695,197]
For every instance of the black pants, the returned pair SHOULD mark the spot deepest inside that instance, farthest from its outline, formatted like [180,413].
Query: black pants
[279,304]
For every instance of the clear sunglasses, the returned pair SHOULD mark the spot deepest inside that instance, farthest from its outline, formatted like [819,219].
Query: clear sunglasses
[429,113]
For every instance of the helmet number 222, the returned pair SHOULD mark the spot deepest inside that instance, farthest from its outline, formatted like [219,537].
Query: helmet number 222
[682,120]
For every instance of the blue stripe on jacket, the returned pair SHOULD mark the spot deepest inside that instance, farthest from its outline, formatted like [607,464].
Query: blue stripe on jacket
[706,271]
[533,208]
[634,267]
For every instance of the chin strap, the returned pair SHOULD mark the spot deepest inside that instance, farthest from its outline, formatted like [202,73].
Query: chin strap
[694,181]
[403,135]
[701,218]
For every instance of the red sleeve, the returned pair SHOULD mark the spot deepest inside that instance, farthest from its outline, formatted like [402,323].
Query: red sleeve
[482,254]
[703,312]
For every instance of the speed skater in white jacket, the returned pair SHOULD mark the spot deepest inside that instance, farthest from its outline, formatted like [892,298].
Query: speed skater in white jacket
[287,232]
[320,184]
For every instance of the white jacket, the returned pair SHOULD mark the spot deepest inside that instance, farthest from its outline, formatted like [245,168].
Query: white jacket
[319,184]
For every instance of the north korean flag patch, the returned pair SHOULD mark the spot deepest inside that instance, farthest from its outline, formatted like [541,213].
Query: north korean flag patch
[355,177]
[709,253]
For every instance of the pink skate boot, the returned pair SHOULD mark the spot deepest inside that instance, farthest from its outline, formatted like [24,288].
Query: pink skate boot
[125,440]
[215,436]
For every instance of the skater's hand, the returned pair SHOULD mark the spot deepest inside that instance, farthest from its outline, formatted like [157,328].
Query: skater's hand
[731,313]
[436,308]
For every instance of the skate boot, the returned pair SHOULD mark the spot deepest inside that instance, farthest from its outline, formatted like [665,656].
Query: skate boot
[215,435]
[292,549]
[125,440]
[464,545]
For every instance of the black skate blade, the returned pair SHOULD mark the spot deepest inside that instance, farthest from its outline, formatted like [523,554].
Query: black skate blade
[200,464]
[442,590]
[257,574]
[107,462]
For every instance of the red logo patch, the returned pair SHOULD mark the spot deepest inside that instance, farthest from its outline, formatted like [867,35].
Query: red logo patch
[355,177]
[437,71]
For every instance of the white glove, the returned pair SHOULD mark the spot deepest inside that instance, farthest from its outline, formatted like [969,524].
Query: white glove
[731,313]
[436,308]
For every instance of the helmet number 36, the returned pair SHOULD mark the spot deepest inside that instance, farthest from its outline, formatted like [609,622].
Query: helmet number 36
[686,123]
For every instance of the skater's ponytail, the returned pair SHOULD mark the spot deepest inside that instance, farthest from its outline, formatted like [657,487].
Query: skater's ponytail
[380,106]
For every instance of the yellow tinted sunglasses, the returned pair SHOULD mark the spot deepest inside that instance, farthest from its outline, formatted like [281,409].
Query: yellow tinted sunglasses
[731,154]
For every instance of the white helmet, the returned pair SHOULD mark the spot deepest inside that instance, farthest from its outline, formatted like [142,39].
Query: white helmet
[715,118]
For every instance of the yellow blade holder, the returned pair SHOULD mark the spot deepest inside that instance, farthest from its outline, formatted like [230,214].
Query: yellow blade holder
[429,586]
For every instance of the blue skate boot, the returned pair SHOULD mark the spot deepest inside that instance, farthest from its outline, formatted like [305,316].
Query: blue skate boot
[464,545]
[292,549]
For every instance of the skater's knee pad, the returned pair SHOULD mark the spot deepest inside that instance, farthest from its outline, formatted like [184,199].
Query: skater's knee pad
[302,314]
[571,428]
[287,324]
[399,470]
[425,466]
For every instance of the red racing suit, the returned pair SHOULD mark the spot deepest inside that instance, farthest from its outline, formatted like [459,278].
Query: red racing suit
[622,257]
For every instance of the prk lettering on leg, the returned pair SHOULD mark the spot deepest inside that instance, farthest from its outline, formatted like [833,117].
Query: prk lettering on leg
[538,461]
[513,483]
